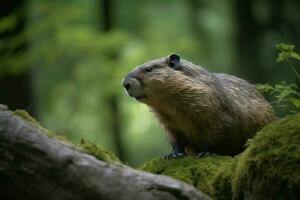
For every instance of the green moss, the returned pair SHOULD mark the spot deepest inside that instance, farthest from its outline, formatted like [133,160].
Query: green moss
[268,169]
[211,174]
[95,150]
[99,152]
[27,117]
[270,166]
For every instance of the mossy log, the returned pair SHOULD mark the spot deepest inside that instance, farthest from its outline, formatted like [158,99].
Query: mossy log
[36,165]
[269,168]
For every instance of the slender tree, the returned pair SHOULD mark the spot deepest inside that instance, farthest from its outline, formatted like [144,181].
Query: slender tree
[15,87]
[106,25]
[198,32]
[248,41]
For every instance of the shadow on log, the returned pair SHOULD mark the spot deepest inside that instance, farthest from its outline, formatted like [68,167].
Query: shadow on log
[34,165]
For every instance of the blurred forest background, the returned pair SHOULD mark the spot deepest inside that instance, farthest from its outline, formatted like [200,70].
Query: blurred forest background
[63,61]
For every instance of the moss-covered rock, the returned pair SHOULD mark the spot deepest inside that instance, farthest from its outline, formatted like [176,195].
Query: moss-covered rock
[207,174]
[270,166]
[268,169]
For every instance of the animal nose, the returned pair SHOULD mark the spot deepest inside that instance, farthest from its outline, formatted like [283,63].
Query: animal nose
[126,84]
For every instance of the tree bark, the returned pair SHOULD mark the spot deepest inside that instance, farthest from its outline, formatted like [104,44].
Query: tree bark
[34,165]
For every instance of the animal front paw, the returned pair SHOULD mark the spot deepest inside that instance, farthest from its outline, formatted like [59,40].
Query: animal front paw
[174,155]
[203,154]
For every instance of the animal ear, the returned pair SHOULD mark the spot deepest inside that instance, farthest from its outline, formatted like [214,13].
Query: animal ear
[174,61]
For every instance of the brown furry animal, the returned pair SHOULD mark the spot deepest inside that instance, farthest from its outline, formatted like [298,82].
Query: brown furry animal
[202,112]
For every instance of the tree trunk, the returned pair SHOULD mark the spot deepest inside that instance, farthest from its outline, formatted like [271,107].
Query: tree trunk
[15,89]
[112,101]
[248,42]
[34,165]
[199,33]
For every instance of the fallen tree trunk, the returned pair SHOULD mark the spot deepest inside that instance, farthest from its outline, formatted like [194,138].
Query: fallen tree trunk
[34,165]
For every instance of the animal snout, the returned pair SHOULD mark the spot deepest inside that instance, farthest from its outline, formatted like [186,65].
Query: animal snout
[132,86]
[126,84]
[129,81]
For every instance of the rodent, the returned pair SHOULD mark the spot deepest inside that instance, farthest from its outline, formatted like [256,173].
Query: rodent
[202,113]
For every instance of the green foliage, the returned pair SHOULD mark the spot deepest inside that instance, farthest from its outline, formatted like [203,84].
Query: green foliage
[285,95]
[12,61]
[79,67]
[270,159]
[286,52]
[8,23]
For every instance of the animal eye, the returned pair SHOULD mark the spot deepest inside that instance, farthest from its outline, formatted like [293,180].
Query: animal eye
[148,69]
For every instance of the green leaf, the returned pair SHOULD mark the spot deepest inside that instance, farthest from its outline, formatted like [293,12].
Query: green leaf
[295,101]
[8,23]
[295,55]
[283,95]
[286,52]
[282,56]
[264,87]
[285,47]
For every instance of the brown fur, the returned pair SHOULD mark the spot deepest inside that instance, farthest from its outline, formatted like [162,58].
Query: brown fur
[198,108]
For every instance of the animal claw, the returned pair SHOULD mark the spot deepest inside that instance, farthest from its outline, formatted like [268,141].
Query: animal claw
[174,155]
[203,154]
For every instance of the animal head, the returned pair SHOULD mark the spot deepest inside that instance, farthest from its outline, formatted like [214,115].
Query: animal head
[153,79]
